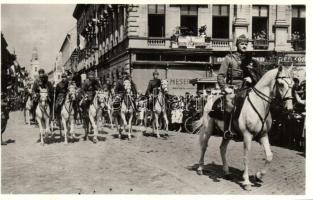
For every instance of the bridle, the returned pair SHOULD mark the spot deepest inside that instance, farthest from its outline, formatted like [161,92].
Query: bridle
[70,100]
[269,99]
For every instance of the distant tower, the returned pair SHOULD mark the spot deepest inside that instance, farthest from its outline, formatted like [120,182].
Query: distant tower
[34,64]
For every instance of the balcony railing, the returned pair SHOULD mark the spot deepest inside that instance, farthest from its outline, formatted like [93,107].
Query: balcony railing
[260,43]
[156,42]
[298,45]
[220,43]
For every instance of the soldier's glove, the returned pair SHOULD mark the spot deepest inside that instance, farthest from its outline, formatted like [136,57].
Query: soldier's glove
[248,79]
[227,90]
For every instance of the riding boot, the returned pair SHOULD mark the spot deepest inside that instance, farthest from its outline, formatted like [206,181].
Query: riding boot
[227,126]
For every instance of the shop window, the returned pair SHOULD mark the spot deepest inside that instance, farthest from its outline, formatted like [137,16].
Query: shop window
[220,21]
[189,20]
[156,20]
[260,22]
[298,27]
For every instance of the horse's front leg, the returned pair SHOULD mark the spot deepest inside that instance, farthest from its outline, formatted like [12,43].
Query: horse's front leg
[156,122]
[40,130]
[47,124]
[247,147]
[110,118]
[124,121]
[94,126]
[72,126]
[166,122]
[130,126]
[65,129]
[269,157]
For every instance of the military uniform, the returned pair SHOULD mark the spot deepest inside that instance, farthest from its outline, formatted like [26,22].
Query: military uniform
[119,88]
[42,83]
[60,93]
[89,88]
[153,84]
[233,71]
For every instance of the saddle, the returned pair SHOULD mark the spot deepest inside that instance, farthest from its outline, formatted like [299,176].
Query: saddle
[218,110]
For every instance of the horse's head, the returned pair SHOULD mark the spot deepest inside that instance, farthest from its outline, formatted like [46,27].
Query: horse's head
[164,85]
[43,96]
[127,86]
[102,98]
[72,92]
[284,83]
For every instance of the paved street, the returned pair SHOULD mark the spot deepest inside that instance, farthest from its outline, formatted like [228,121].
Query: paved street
[144,165]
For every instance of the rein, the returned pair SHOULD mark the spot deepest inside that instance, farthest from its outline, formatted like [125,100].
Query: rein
[126,102]
[267,99]
[70,107]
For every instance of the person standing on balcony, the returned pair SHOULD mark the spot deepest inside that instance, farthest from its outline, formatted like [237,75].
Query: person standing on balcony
[239,70]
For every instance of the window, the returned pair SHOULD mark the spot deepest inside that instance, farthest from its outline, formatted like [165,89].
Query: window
[35,69]
[298,27]
[189,20]
[220,21]
[298,22]
[260,22]
[156,20]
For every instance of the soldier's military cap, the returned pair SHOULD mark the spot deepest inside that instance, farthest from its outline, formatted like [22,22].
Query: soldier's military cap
[41,71]
[242,38]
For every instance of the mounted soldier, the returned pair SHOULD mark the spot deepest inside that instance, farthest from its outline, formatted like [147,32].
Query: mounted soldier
[153,87]
[60,93]
[239,71]
[90,86]
[119,88]
[42,82]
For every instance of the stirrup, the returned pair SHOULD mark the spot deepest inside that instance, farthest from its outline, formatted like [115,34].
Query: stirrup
[228,135]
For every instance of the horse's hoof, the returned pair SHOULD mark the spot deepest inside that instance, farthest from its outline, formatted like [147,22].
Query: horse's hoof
[199,172]
[85,138]
[247,187]
[228,176]
[258,177]
[95,141]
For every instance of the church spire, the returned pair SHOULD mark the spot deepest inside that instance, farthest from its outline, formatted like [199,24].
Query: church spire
[34,54]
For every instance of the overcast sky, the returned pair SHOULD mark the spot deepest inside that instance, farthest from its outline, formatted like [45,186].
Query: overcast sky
[43,26]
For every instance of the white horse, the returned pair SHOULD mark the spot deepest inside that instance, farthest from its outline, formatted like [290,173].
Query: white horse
[28,106]
[27,110]
[127,109]
[159,108]
[107,106]
[67,113]
[95,115]
[43,114]
[254,119]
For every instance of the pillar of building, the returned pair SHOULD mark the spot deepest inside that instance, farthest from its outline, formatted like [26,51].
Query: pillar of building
[172,19]
[281,29]
[241,22]
[205,18]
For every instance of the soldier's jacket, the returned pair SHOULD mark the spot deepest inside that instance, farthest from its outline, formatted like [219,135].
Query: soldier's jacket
[43,83]
[236,67]
[60,92]
[90,87]
[119,88]
[155,83]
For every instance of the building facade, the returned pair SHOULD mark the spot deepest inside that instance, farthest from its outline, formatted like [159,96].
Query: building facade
[34,64]
[182,42]
[68,51]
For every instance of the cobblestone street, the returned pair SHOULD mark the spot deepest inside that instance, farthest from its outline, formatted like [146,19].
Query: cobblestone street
[144,165]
